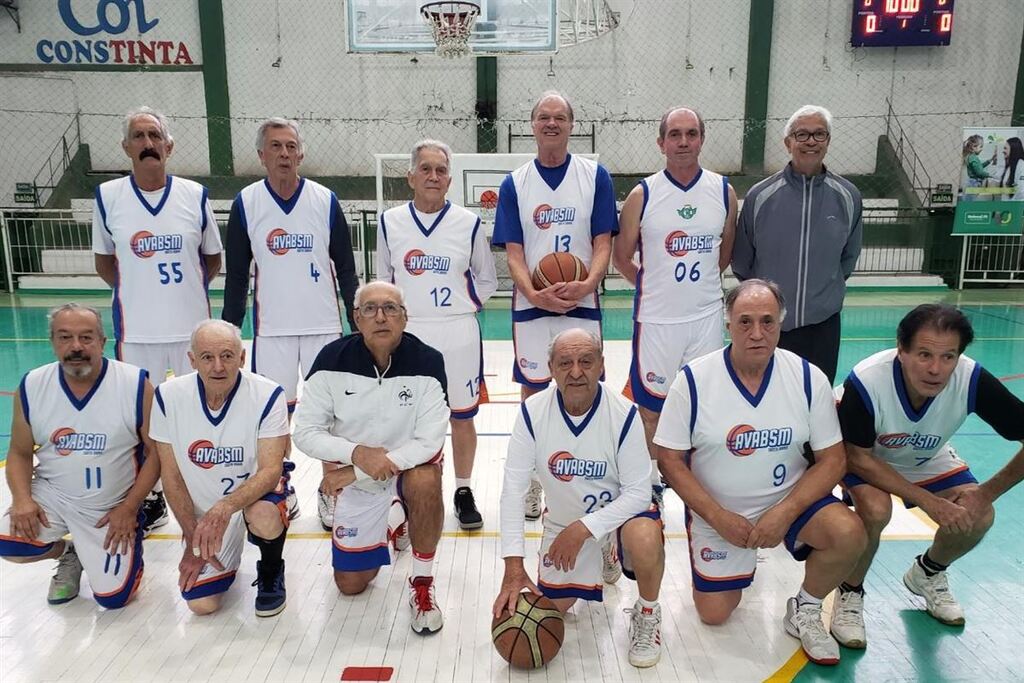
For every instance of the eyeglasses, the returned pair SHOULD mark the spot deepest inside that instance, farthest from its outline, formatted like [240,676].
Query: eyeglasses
[804,136]
[391,310]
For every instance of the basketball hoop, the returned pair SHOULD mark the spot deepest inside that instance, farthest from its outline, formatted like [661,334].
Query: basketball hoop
[451,23]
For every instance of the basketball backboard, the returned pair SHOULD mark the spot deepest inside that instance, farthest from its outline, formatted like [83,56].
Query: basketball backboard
[503,26]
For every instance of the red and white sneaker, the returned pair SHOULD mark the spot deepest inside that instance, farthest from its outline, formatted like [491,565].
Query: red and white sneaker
[426,615]
[398,527]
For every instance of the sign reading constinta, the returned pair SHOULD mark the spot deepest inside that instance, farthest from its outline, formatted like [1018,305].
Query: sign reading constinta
[109,32]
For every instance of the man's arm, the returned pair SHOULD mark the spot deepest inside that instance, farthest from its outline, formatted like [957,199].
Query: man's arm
[634,467]
[385,269]
[481,265]
[106,268]
[602,254]
[728,233]
[1004,412]
[519,467]
[313,419]
[344,261]
[236,278]
[432,415]
[211,247]
[103,243]
[626,241]
[175,491]
[744,249]
[122,520]
[213,263]
[26,514]
[851,250]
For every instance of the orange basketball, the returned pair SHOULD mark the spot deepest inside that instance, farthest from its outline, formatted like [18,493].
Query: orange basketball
[560,266]
[532,636]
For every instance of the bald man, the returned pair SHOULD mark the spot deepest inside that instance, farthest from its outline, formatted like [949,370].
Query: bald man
[675,237]
[221,433]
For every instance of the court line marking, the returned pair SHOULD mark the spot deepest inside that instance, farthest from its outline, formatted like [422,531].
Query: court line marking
[533,535]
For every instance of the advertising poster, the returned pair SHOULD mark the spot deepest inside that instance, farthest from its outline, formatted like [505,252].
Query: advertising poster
[991,196]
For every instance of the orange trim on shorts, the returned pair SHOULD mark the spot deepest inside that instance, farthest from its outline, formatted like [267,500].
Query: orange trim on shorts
[22,539]
[925,482]
[212,579]
[120,588]
[579,586]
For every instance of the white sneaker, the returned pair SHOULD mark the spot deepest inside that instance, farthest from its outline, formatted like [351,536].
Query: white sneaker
[804,622]
[848,620]
[398,527]
[533,496]
[325,509]
[426,615]
[611,570]
[66,580]
[644,635]
[939,602]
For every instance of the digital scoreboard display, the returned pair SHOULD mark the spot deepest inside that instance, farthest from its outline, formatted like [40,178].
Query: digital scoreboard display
[889,23]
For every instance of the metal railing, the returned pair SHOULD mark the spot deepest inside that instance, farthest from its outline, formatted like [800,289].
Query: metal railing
[57,161]
[58,242]
[992,259]
[910,162]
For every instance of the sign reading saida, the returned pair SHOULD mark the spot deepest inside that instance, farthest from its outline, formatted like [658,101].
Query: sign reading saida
[106,32]
[991,196]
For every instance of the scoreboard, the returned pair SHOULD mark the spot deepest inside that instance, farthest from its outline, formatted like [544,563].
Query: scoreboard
[889,23]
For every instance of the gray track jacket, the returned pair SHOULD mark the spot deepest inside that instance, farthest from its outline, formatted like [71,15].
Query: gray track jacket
[804,233]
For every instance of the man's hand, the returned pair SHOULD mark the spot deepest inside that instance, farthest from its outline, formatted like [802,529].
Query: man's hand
[26,516]
[566,546]
[515,580]
[190,567]
[975,501]
[732,527]
[122,522]
[375,462]
[574,291]
[770,529]
[554,299]
[948,514]
[209,534]
[335,480]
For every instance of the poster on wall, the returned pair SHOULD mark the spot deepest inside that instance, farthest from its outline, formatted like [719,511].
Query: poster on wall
[991,196]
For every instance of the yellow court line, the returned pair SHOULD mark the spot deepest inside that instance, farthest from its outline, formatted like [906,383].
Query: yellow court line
[790,669]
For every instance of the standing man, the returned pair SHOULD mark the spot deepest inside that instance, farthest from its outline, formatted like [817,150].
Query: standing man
[899,409]
[222,433]
[584,443]
[86,419]
[750,441]
[436,251]
[157,245]
[294,229]
[557,202]
[683,220]
[802,229]
[376,404]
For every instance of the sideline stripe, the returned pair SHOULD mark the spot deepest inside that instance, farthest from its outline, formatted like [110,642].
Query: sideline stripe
[675,535]
[790,669]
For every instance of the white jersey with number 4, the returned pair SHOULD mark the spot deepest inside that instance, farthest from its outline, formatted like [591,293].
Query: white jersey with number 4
[88,448]
[559,219]
[159,239]
[748,448]
[431,263]
[907,438]
[216,451]
[680,236]
[294,291]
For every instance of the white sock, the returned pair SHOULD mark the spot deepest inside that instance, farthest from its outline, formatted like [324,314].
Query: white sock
[462,483]
[422,564]
[805,598]
[645,604]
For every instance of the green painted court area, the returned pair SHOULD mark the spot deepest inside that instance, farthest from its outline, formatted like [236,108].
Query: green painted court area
[904,643]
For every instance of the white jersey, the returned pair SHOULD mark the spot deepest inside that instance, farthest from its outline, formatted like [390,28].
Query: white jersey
[216,453]
[444,267]
[906,438]
[748,450]
[595,467]
[159,240]
[294,291]
[556,220]
[680,237]
[89,449]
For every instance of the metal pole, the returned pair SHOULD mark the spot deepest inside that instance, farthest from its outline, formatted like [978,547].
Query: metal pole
[963,261]
[8,259]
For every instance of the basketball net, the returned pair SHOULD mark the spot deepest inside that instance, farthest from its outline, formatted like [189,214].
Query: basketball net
[451,24]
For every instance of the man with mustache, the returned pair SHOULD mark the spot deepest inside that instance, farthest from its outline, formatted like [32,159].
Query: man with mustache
[294,230]
[157,244]
[85,419]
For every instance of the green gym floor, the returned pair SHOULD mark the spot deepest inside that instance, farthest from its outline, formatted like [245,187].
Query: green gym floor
[904,642]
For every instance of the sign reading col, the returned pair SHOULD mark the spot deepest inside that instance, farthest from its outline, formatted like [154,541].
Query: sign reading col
[110,32]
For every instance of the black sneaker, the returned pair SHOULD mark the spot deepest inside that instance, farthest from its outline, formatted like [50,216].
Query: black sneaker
[154,512]
[465,509]
[270,593]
